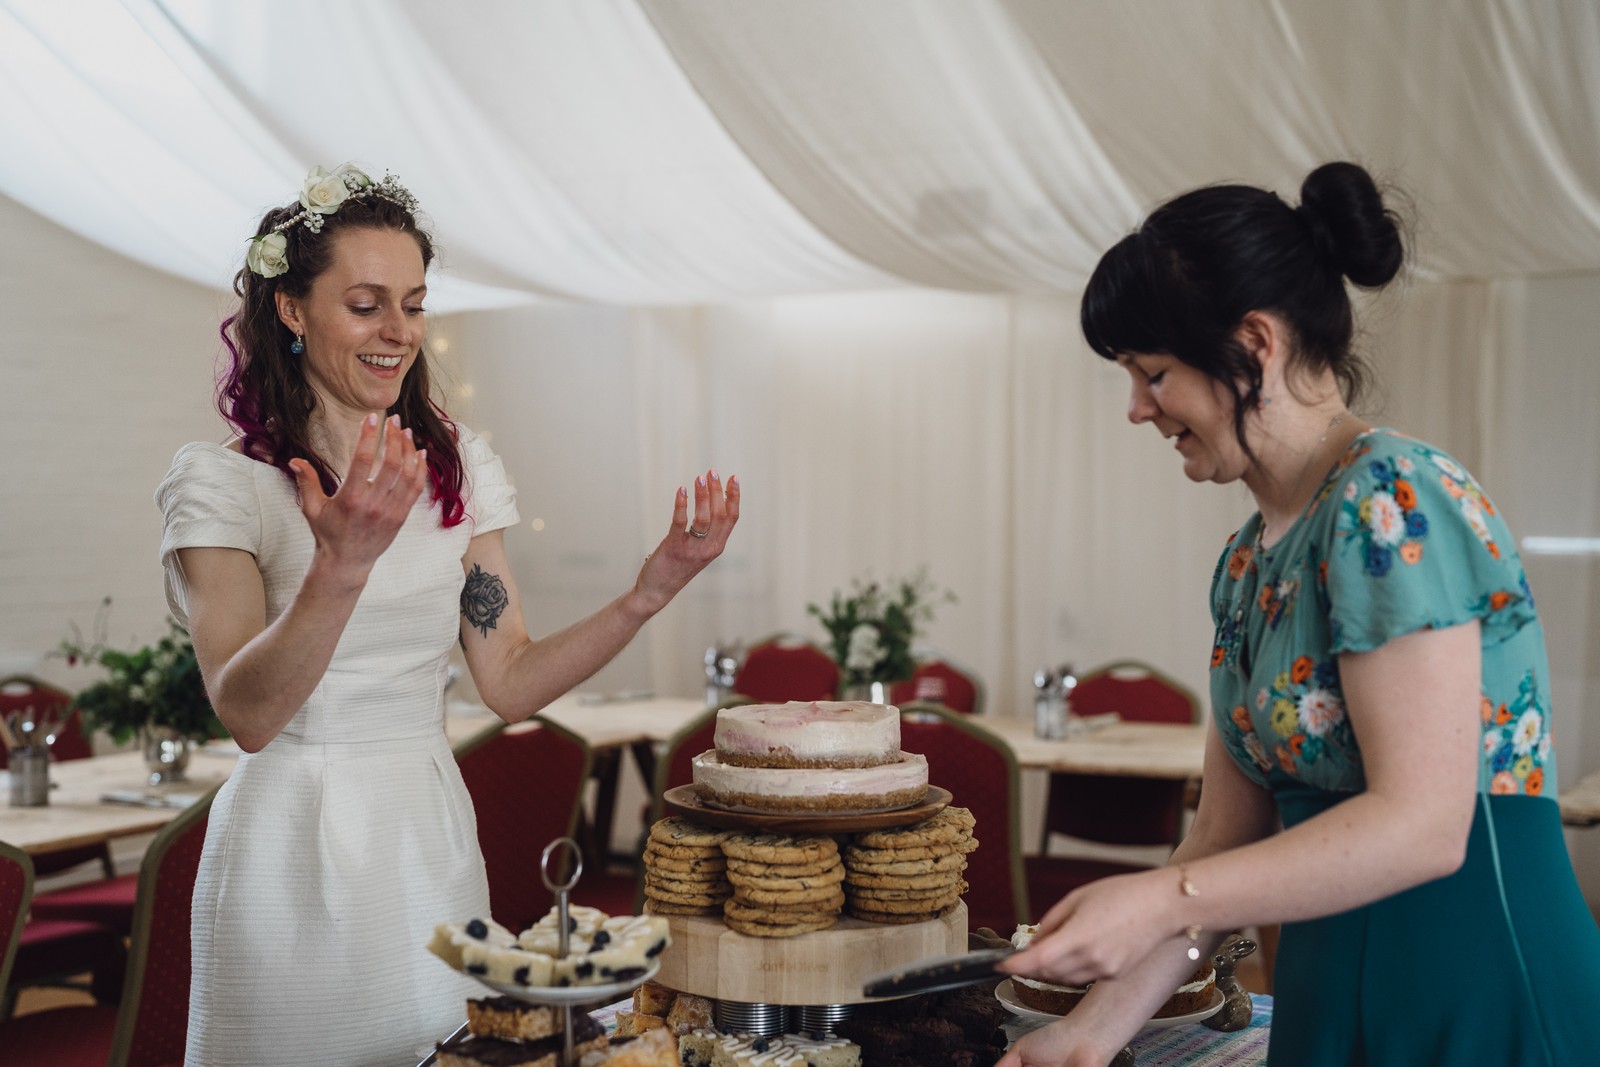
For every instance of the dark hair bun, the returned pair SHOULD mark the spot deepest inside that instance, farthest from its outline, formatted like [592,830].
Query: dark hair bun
[1342,206]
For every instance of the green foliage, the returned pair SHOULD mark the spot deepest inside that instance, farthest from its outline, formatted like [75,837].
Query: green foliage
[157,685]
[870,632]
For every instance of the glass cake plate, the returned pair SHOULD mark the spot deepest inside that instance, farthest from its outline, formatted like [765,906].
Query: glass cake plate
[576,995]
[1007,996]
[684,800]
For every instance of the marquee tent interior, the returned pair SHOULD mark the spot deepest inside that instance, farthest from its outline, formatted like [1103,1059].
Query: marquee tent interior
[834,247]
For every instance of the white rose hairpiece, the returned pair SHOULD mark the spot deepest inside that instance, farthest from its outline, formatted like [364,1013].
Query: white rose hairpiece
[323,194]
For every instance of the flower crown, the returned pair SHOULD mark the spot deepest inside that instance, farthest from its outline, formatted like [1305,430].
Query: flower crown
[323,194]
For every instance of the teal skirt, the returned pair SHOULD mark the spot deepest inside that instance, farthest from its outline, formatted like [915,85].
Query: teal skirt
[1498,963]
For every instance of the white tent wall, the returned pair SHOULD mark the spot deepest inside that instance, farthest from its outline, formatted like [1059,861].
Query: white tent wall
[701,172]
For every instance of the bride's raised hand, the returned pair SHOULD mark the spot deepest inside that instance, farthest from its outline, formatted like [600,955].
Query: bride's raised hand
[693,540]
[359,521]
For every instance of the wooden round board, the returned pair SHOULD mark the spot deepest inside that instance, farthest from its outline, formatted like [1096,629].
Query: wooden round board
[824,967]
[683,800]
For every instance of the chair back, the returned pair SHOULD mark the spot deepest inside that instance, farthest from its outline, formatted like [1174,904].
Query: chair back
[16,889]
[938,681]
[19,692]
[1137,692]
[980,770]
[784,668]
[1115,810]
[526,784]
[153,1019]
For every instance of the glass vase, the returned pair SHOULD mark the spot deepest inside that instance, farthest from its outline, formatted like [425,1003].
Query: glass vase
[871,692]
[166,754]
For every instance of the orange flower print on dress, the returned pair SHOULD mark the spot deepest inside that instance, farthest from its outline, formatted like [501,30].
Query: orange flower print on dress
[1503,784]
[1535,783]
[1322,573]
[1498,600]
[1241,718]
[1494,550]
[1265,600]
[1286,761]
[1486,708]
[1404,495]
[1217,654]
[1297,743]
[1411,551]
[1450,486]
[1239,561]
[1502,716]
[1301,670]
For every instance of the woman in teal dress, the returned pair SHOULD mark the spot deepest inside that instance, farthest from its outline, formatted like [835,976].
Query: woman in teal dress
[1379,775]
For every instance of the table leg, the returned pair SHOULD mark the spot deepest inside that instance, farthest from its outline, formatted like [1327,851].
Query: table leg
[607,766]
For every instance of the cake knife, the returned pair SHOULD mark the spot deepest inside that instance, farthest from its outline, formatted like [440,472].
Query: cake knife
[943,972]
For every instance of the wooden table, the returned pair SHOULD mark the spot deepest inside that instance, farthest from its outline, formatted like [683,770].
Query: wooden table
[77,816]
[1580,805]
[1141,749]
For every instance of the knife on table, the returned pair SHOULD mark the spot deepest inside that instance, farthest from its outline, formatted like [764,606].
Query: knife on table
[943,972]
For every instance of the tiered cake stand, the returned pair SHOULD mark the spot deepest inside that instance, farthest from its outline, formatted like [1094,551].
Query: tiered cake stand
[759,984]
[564,997]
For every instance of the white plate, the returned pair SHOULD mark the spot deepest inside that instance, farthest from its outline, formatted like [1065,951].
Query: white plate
[1006,995]
[572,994]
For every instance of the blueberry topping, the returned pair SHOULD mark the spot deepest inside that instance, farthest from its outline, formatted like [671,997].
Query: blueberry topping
[602,938]
[521,976]
[760,1045]
[477,968]
[655,950]
[584,969]
[628,974]
[565,981]
[477,929]
[572,924]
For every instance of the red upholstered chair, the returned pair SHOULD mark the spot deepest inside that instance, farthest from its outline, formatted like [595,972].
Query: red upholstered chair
[938,681]
[151,1025]
[783,668]
[1112,810]
[980,771]
[526,783]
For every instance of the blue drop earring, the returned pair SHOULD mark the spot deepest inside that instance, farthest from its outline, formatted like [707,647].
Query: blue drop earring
[298,346]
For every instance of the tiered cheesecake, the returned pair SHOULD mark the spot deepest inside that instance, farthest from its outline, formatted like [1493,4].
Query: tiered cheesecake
[810,756]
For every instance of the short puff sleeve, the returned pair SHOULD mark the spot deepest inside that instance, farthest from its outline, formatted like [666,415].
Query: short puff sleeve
[492,499]
[208,500]
[1417,544]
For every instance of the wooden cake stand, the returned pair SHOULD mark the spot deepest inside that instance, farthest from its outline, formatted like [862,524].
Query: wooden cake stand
[822,968]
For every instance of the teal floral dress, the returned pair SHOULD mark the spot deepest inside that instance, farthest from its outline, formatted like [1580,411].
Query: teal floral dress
[1498,963]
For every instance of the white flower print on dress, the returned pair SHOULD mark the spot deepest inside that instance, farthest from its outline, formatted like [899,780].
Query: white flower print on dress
[1388,522]
[1319,711]
[1526,733]
[1447,465]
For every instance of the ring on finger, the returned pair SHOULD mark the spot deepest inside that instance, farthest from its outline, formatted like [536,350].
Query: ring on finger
[697,533]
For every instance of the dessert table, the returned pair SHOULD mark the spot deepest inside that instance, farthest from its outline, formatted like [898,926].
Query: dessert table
[1194,1045]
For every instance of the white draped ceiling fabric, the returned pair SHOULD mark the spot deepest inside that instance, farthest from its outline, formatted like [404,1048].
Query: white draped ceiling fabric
[645,152]
[842,242]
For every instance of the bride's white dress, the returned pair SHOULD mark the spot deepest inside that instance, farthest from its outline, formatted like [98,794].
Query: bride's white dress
[332,852]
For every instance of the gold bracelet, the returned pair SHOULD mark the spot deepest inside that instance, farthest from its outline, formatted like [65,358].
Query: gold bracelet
[1187,888]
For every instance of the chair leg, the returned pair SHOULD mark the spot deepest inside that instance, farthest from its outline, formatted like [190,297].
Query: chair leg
[8,1003]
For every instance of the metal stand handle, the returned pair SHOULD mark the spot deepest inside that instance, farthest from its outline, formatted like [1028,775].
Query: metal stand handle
[564,924]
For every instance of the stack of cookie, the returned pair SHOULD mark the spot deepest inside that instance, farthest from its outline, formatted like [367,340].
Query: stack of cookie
[909,874]
[684,869]
[782,886]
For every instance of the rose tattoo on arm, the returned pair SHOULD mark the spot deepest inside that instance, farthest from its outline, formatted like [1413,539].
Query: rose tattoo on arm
[483,599]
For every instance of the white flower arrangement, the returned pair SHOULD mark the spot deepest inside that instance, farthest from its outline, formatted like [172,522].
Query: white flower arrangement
[268,255]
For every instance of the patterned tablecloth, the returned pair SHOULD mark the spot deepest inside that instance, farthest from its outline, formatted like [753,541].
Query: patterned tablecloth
[1193,1045]
[1178,1046]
